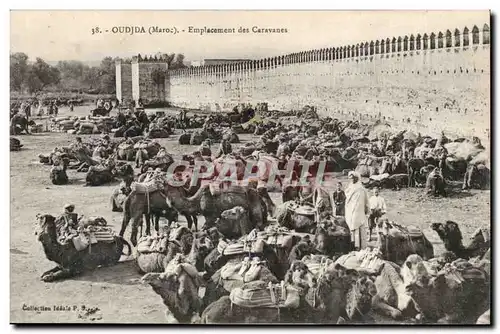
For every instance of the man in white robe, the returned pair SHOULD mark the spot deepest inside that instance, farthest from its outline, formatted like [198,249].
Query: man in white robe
[357,207]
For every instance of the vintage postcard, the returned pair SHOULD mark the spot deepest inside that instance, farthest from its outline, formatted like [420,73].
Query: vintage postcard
[243,167]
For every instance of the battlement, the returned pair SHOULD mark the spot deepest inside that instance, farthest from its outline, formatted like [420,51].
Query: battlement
[415,42]
[150,59]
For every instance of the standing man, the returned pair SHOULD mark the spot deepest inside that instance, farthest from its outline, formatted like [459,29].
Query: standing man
[339,200]
[377,209]
[356,210]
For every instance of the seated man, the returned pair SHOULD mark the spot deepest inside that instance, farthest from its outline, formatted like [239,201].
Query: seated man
[99,153]
[224,148]
[204,148]
[67,223]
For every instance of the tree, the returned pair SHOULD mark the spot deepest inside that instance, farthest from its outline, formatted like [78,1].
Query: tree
[178,63]
[18,70]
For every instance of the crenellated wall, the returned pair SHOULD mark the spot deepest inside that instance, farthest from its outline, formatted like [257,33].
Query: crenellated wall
[430,82]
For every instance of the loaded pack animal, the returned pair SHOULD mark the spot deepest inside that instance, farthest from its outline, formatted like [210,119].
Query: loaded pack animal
[70,260]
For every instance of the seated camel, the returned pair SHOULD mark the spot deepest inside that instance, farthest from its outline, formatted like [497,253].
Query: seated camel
[74,255]
[458,293]
[58,175]
[178,287]
[15,144]
[449,232]
[341,295]
[154,253]
[234,223]
[260,302]
[397,242]
[101,174]
[332,236]
[477,177]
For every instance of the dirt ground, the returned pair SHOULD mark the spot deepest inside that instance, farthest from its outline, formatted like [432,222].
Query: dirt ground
[116,291]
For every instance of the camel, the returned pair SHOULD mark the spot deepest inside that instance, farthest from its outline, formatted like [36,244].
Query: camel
[392,299]
[154,254]
[297,283]
[295,217]
[370,166]
[145,149]
[436,184]
[457,294]
[414,166]
[101,174]
[341,295]
[477,177]
[234,223]
[15,144]
[178,287]
[332,236]
[234,274]
[137,204]
[397,242]
[126,151]
[212,206]
[450,234]
[71,261]
[20,123]
[58,175]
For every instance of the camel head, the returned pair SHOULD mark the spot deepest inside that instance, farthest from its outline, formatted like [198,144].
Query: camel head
[479,239]
[203,245]
[359,297]
[45,226]
[413,269]
[450,234]
[303,248]
[178,287]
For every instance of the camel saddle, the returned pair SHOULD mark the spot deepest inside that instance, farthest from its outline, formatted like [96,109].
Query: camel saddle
[98,168]
[244,245]
[304,210]
[276,236]
[143,144]
[404,232]
[87,236]
[217,188]
[147,187]
[258,294]
[461,270]
[156,244]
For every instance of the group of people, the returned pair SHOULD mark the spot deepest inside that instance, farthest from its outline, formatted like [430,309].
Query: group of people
[360,210]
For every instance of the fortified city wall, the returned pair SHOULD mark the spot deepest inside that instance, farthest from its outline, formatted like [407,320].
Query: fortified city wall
[424,82]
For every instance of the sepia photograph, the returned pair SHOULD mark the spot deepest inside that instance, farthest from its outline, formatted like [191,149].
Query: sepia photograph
[202,167]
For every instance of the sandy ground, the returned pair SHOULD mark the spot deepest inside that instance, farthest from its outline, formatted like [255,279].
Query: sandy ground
[116,291]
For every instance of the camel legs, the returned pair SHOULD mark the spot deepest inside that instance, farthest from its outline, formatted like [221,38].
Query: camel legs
[157,224]
[58,273]
[148,224]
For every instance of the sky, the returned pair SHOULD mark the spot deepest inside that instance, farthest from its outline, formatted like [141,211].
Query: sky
[67,35]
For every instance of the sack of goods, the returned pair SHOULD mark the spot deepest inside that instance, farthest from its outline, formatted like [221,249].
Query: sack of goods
[259,294]
[156,244]
[366,260]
